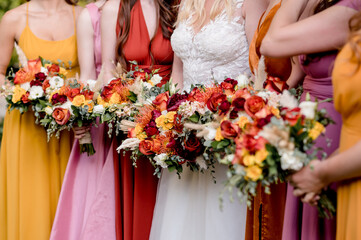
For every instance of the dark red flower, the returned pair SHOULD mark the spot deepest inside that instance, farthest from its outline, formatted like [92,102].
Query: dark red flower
[151,129]
[264,121]
[36,83]
[228,85]
[238,104]
[40,76]
[229,130]
[233,114]
[57,98]
[224,107]
[155,114]
[178,125]
[176,100]
[214,101]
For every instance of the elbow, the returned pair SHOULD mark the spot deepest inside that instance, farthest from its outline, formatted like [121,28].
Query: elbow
[268,47]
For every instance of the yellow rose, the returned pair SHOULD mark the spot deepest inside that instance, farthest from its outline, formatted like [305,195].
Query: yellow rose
[78,100]
[219,136]
[249,160]
[100,101]
[243,120]
[260,156]
[114,99]
[166,121]
[316,130]
[275,111]
[139,132]
[90,104]
[18,93]
[63,71]
[254,172]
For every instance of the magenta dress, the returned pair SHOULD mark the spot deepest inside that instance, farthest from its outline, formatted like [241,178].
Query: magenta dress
[86,208]
[301,221]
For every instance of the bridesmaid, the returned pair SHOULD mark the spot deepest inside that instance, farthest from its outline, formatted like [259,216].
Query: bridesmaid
[265,219]
[140,30]
[31,168]
[344,167]
[287,37]
[86,208]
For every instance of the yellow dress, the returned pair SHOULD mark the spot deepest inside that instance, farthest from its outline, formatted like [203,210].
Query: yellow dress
[347,99]
[32,169]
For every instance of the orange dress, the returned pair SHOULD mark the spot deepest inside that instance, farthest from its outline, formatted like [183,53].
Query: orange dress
[346,81]
[265,219]
[32,169]
[137,187]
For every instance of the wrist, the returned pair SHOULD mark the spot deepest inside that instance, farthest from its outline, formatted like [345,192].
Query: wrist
[321,172]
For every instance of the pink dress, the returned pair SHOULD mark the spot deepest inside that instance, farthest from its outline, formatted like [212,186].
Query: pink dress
[301,221]
[86,208]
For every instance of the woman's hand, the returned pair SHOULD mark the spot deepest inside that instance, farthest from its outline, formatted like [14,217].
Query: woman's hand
[80,131]
[308,180]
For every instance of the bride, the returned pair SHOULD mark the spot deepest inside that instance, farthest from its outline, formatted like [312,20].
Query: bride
[210,42]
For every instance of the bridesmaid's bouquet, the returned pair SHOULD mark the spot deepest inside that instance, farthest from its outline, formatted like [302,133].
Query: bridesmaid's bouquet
[68,106]
[28,87]
[122,97]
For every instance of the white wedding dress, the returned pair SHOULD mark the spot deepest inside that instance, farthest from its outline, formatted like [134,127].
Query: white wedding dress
[189,208]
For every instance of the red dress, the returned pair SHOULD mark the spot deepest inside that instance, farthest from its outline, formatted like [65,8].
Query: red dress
[136,188]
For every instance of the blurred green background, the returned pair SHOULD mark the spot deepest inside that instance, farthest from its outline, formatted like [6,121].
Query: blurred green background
[6,5]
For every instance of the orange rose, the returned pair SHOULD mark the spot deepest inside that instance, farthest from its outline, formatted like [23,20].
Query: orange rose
[27,73]
[46,84]
[25,98]
[149,147]
[228,86]
[61,115]
[54,68]
[242,93]
[229,130]
[161,101]
[293,115]
[253,105]
[214,101]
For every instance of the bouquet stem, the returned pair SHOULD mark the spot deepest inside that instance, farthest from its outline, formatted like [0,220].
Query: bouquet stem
[86,144]
[326,206]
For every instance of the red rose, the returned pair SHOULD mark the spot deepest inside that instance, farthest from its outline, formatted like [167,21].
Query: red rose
[253,105]
[161,101]
[40,76]
[107,92]
[250,143]
[176,100]
[228,85]
[54,68]
[233,114]
[61,115]
[57,98]
[224,107]
[292,116]
[238,104]
[140,75]
[151,129]
[172,143]
[178,125]
[275,84]
[149,147]
[155,114]
[214,101]
[192,144]
[264,121]
[229,130]
[88,94]
[72,93]
[25,98]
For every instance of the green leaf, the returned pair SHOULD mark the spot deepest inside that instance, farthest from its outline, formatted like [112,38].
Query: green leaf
[132,97]
[194,118]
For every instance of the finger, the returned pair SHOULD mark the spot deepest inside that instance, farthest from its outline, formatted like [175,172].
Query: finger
[314,201]
[298,192]
[308,197]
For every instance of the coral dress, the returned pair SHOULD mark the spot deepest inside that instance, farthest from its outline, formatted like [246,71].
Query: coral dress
[32,169]
[86,208]
[265,219]
[138,186]
[347,87]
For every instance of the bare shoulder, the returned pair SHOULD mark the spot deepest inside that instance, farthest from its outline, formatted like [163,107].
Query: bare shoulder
[78,10]
[15,16]
[111,7]
[84,18]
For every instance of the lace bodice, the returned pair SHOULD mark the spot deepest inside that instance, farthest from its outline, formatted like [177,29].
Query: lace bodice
[218,50]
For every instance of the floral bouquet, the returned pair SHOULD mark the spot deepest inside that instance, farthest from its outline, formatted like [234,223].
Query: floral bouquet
[269,143]
[29,86]
[123,96]
[69,106]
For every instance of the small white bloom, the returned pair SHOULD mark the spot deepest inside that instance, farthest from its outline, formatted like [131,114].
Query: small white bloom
[36,92]
[290,162]
[48,110]
[156,79]
[308,109]
[56,82]
[44,70]
[160,160]
[287,100]
[147,85]
[201,162]
[25,86]
[91,83]
[211,135]
[264,95]
[98,109]
[239,169]
[243,81]
[67,105]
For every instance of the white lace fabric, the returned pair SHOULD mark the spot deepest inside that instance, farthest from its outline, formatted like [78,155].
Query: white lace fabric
[217,51]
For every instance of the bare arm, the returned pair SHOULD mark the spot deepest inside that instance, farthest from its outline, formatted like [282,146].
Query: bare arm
[252,11]
[7,39]
[297,74]
[327,30]
[177,72]
[108,26]
[85,46]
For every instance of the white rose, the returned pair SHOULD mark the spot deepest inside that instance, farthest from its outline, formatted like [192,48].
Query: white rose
[98,109]
[25,86]
[160,160]
[48,110]
[91,83]
[211,135]
[44,70]
[147,85]
[67,105]
[156,79]
[263,95]
[290,162]
[287,100]
[56,82]
[243,80]
[308,109]
[36,92]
